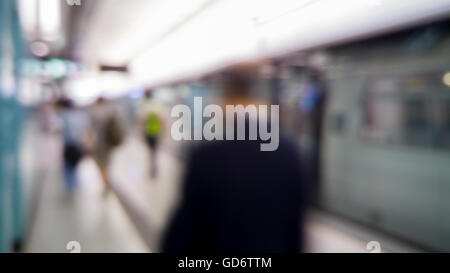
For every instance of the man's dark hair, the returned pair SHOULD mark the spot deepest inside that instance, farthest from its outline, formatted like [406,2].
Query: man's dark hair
[238,83]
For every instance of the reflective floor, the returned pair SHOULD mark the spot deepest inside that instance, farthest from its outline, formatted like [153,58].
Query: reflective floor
[95,220]
[131,216]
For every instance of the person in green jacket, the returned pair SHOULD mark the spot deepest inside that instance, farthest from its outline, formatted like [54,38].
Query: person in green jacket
[152,130]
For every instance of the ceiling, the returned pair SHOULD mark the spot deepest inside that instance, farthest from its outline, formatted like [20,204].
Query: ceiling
[166,40]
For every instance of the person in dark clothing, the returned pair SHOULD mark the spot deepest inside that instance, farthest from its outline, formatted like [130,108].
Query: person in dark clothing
[75,127]
[237,198]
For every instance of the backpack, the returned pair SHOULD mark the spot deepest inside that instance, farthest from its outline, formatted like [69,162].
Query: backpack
[113,132]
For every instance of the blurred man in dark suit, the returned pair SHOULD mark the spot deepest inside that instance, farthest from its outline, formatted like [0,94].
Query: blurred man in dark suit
[236,197]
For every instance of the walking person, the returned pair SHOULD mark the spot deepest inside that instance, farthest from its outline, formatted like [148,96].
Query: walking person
[152,126]
[75,129]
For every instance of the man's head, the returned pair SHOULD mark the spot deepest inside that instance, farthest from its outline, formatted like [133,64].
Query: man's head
[148,94]
[65,103]
[237,82]
[100,100]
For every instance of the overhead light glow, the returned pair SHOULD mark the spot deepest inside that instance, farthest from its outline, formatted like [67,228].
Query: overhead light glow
[39,49]
[28,15]
[446,79]
[50,18]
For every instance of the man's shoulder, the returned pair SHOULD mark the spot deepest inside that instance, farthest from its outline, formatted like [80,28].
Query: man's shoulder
[287,147]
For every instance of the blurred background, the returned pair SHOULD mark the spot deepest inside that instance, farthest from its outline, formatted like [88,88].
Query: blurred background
[86,90]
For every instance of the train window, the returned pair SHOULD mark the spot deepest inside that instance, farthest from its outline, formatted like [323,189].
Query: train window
[417,124]
[338,122]
[411,110]
[442,112]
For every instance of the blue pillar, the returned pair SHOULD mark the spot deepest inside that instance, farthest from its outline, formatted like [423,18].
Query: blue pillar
[11,201]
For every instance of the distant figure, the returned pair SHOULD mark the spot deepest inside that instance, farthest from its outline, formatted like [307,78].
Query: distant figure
[75,129]
[312,113]
[236,198]
[151,124]
[108,134]
[49,120]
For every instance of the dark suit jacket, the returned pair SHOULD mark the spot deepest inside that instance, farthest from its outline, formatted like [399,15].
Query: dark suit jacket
[239,199]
